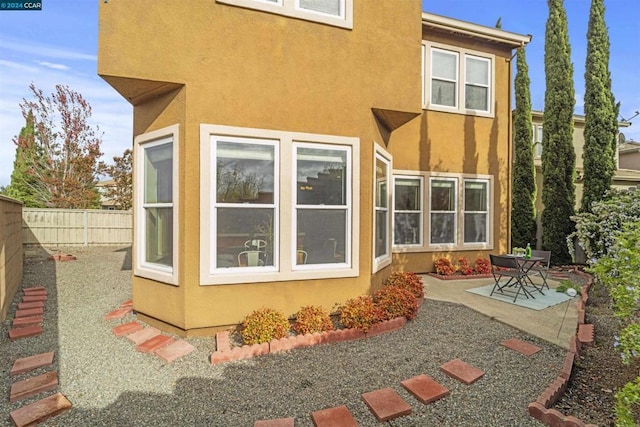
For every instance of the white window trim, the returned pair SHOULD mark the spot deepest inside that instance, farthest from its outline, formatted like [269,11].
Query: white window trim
[456,211]
[160,273]
[464,211]
[287,268]
[462,53]
[488,86]
[291,8]
[421,211]
[385,259]
[426,217]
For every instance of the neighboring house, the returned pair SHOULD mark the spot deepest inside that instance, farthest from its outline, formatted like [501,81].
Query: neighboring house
[629,155]
[295,152]
[623,178]
[106,203]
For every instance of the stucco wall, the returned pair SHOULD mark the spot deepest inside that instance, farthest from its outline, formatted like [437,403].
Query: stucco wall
[10,252]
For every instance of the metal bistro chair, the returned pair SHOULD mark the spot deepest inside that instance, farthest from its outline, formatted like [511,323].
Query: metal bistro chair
[542,267]
[255,245]
[251,258]
[504,266]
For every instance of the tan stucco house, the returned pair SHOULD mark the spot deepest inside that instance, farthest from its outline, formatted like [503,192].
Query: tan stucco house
[296,152]
[629,155]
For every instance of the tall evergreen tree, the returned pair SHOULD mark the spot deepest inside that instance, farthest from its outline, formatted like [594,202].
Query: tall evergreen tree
[600,127]
[558,155]
[22,182]
[523,216]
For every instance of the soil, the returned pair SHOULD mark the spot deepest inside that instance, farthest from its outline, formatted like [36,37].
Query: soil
[599,372]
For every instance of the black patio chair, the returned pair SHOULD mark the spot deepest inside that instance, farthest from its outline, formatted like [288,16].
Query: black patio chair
[508,266]
[542,267]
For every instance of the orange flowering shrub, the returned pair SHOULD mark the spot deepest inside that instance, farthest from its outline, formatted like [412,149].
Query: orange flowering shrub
[360,313]
[464,267]
[483,266]
[310,319]
[410,281]
[444,267]
[264,325]
[396,301]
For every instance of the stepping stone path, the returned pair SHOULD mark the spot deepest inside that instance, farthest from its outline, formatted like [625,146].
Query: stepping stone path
[27,322]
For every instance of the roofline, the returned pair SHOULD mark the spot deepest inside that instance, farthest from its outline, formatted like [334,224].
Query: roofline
[577,118]
[475,30]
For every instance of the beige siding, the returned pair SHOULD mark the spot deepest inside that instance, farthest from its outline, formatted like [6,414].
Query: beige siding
[10,252]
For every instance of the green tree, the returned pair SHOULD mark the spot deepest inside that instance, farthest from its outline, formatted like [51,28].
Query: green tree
[523,215]
[120,171]
[600,127]
[63,149]
[23,184]
[558,155]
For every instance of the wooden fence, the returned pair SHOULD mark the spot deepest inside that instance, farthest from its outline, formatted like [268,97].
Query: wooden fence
[76,227]
[10,252]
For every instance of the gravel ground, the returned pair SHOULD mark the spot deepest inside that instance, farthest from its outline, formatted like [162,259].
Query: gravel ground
[110,384]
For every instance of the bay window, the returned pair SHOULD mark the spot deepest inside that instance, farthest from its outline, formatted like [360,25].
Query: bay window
[382,210]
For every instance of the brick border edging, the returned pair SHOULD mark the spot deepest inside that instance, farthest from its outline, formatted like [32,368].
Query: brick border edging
[540,409]
[460,276]
[306,340]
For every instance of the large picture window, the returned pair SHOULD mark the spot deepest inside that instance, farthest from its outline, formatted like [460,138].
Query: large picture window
[443,210]
[407,214]
[476,211]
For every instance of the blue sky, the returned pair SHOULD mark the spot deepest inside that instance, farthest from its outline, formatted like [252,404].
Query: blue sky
[58,45]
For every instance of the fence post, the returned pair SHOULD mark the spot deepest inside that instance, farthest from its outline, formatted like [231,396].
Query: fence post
[86,227]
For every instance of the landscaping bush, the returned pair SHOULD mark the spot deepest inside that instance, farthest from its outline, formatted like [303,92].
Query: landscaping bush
[310,319]
[483,266]
[264,325]
[444,267]
[410,281]
[396,301]
[464,267]
[360,313]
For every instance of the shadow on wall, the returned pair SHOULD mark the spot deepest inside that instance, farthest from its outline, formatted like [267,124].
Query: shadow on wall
[127,262]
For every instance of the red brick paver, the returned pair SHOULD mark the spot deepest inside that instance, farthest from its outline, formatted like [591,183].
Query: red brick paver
[39,411]
[333,417]
[33,386]
[461,371]
[30,363]
[425,388]
[26,332]
[34,297]
[520,346]
[35,289]
[30,312]
[175,350]
[118,313]
[143,335]
[280,422]
[27,305]
[127,328]
[25,321]
[155,343]
[386,404]
[585,333]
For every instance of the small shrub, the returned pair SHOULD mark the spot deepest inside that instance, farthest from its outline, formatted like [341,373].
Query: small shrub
[444,267]
[410,281]
[396,301]
[483,266]
[264,325]
[464,267]
[566,284]
[360,313]
[310,319]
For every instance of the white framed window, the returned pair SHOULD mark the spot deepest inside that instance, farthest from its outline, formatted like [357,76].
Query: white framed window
[443,205]
[537,140]
[277,205]
[476,211]
[338,13]
[457,80]
[382,209]
[408,213]
[156,207]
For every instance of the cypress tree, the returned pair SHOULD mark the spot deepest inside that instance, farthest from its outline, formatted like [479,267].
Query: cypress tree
[22,183]
[558,155]
[523,216]
[600,127]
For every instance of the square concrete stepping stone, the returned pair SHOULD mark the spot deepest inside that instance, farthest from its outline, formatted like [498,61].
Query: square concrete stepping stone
[338,416]
[175,350]
[118,313]
[30,312]
[35,297]
[26,321]
[520,346]
[386,404]
[425,388]
[127,328]
[26,332]
[155,343]
[461,371]
[33,386]
[280,422]
[27,305]
[39,411]
[145,334]
[26,364]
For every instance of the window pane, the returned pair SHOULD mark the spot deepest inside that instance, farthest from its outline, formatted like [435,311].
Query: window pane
[381,183]
[331,7]
[475,227]
[476,98]
[475,196]
[321,176]
[407,229]
[443,195]
[443,93]
[442,228]
[159,236]
[158,174]
[244,237]
[244,172]
[381,233]
[407,194]
[477,71]
[322,235]
[443,65]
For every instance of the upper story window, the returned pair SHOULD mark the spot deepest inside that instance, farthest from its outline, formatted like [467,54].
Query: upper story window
[338,13]
[457,80]
[537,140]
